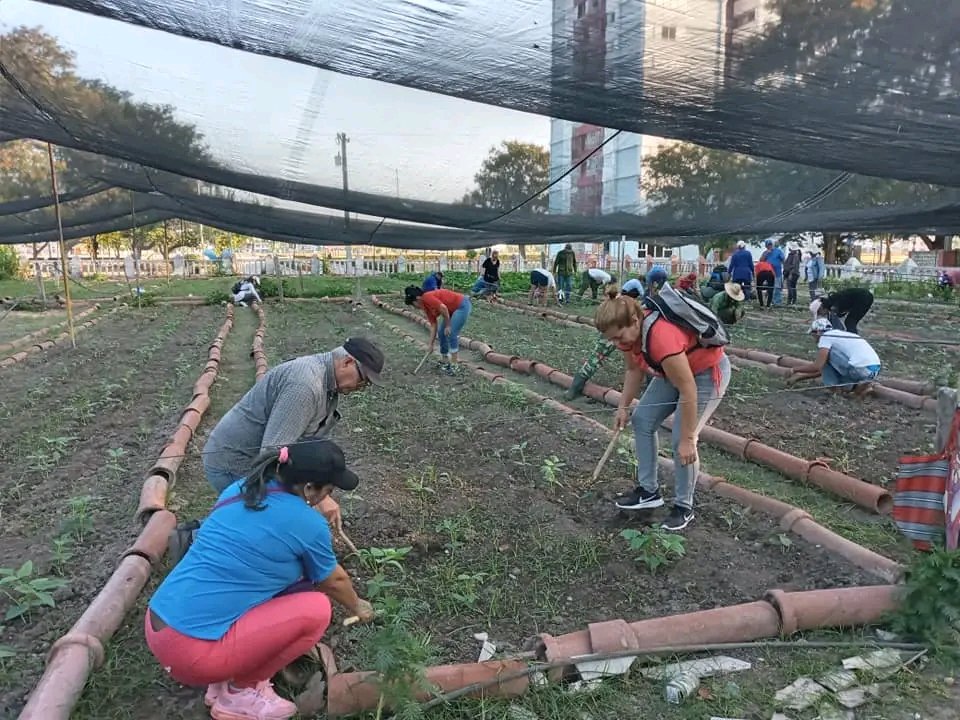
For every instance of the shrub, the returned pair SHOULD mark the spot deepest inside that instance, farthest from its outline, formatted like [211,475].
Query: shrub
[9,263]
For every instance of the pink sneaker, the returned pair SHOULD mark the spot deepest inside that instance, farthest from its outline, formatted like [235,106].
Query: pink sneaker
[259,703]
[214,690]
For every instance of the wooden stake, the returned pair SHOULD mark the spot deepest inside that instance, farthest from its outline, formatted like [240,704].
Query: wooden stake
[63,247]
[422,362]
[606,455]
[348,542]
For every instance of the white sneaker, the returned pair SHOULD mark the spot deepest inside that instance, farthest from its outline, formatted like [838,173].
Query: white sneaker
[259,703]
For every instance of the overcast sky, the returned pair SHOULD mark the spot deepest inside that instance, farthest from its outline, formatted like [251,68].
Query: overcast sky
[252,108]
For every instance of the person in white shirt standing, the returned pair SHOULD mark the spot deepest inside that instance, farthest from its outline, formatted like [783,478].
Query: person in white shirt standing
[595,278]
[844,360]
[541,281]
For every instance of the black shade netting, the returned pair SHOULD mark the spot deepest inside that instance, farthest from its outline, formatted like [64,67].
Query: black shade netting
[731,117]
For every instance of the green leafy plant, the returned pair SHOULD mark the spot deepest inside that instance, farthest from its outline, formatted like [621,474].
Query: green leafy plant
[399,662]
[9,263]
[378,585]
[550,470]
[382,558]
[62,553]
[79,523]
[218,297]
[26,592]
[655,547]
[466,590]
[519,449]
[49,452]
[114,456]
[783,541]
[930,606]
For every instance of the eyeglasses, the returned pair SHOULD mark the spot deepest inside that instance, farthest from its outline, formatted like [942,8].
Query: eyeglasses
[364,380]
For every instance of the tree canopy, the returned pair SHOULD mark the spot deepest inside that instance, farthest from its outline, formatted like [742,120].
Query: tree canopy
[36,60]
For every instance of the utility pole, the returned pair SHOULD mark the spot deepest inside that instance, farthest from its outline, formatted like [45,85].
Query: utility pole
[341,162]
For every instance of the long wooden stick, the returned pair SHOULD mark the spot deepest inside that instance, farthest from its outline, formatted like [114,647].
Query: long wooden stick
[422,362]
[348,542]
[606,454]
[63,247]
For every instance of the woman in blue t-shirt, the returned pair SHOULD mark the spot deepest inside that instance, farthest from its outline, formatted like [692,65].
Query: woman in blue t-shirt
[252,593]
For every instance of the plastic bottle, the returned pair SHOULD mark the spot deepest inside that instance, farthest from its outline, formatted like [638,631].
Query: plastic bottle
[681,686]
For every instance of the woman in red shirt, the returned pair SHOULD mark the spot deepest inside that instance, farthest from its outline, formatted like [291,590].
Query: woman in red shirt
[686,376]
[447,312]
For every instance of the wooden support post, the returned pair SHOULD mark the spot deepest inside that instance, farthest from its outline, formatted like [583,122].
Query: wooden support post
[63,247]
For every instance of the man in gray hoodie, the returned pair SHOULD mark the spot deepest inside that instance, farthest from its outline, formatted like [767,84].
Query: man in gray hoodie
[295,401]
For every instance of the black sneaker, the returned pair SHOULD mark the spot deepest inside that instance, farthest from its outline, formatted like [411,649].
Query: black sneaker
[679,518]
[640,499]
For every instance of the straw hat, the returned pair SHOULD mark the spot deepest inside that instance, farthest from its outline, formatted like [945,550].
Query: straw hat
[734,291]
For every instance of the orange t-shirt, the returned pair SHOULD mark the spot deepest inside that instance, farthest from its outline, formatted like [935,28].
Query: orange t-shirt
[763,266]
[666,339]
[433,300]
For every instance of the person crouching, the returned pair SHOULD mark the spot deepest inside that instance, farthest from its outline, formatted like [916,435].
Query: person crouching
[253,592]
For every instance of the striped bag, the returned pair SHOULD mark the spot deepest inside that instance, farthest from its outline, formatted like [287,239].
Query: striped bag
[919,505]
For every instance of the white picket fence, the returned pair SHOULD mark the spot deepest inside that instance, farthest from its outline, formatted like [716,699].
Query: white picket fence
[290,266]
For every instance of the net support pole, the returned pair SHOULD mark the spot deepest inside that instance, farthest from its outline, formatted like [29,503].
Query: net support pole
[342,140]
[63,246]
[133,248]
[40,285]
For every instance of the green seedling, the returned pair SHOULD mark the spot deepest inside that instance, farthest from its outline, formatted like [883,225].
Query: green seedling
[62,553]
[378,585]
[382,558]
[783,541]
[655,547]
[49,452]
[114,456]
[550,470]
[466,590]
[79,523]
[26,592]
[519,449]
[419,487]
[399,664]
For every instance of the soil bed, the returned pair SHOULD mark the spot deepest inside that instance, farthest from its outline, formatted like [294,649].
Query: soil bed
[84,426]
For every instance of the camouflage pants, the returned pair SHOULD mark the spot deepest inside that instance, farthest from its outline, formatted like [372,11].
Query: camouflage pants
[602,349]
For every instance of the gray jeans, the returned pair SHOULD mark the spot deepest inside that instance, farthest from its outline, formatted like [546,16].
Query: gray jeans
[657,403]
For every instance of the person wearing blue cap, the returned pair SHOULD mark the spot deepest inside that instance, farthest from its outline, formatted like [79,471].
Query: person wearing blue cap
[603,348]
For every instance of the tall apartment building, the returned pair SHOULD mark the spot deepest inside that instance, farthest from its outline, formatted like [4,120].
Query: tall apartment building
[659,47]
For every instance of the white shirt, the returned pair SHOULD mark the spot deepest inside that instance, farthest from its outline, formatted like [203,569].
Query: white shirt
[633,284]
[599,275]
[548,275]
[858,350]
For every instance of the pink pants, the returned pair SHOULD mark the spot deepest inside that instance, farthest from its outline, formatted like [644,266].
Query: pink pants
[256,647]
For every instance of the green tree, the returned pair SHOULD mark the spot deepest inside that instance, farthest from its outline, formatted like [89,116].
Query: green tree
[686,183]
[867,53]
[9,263]
[37,60]
[511,173]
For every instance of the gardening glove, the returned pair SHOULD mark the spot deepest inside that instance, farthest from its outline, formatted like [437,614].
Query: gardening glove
[330,509]
[364,610]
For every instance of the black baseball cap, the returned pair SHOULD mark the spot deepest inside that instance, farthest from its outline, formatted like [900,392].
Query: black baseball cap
[368,356]
[320,462]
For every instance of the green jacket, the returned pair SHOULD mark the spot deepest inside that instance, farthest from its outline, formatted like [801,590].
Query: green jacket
[726,308]
[565,263]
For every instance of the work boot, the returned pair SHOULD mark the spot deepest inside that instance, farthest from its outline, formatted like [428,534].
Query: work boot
[576,389]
